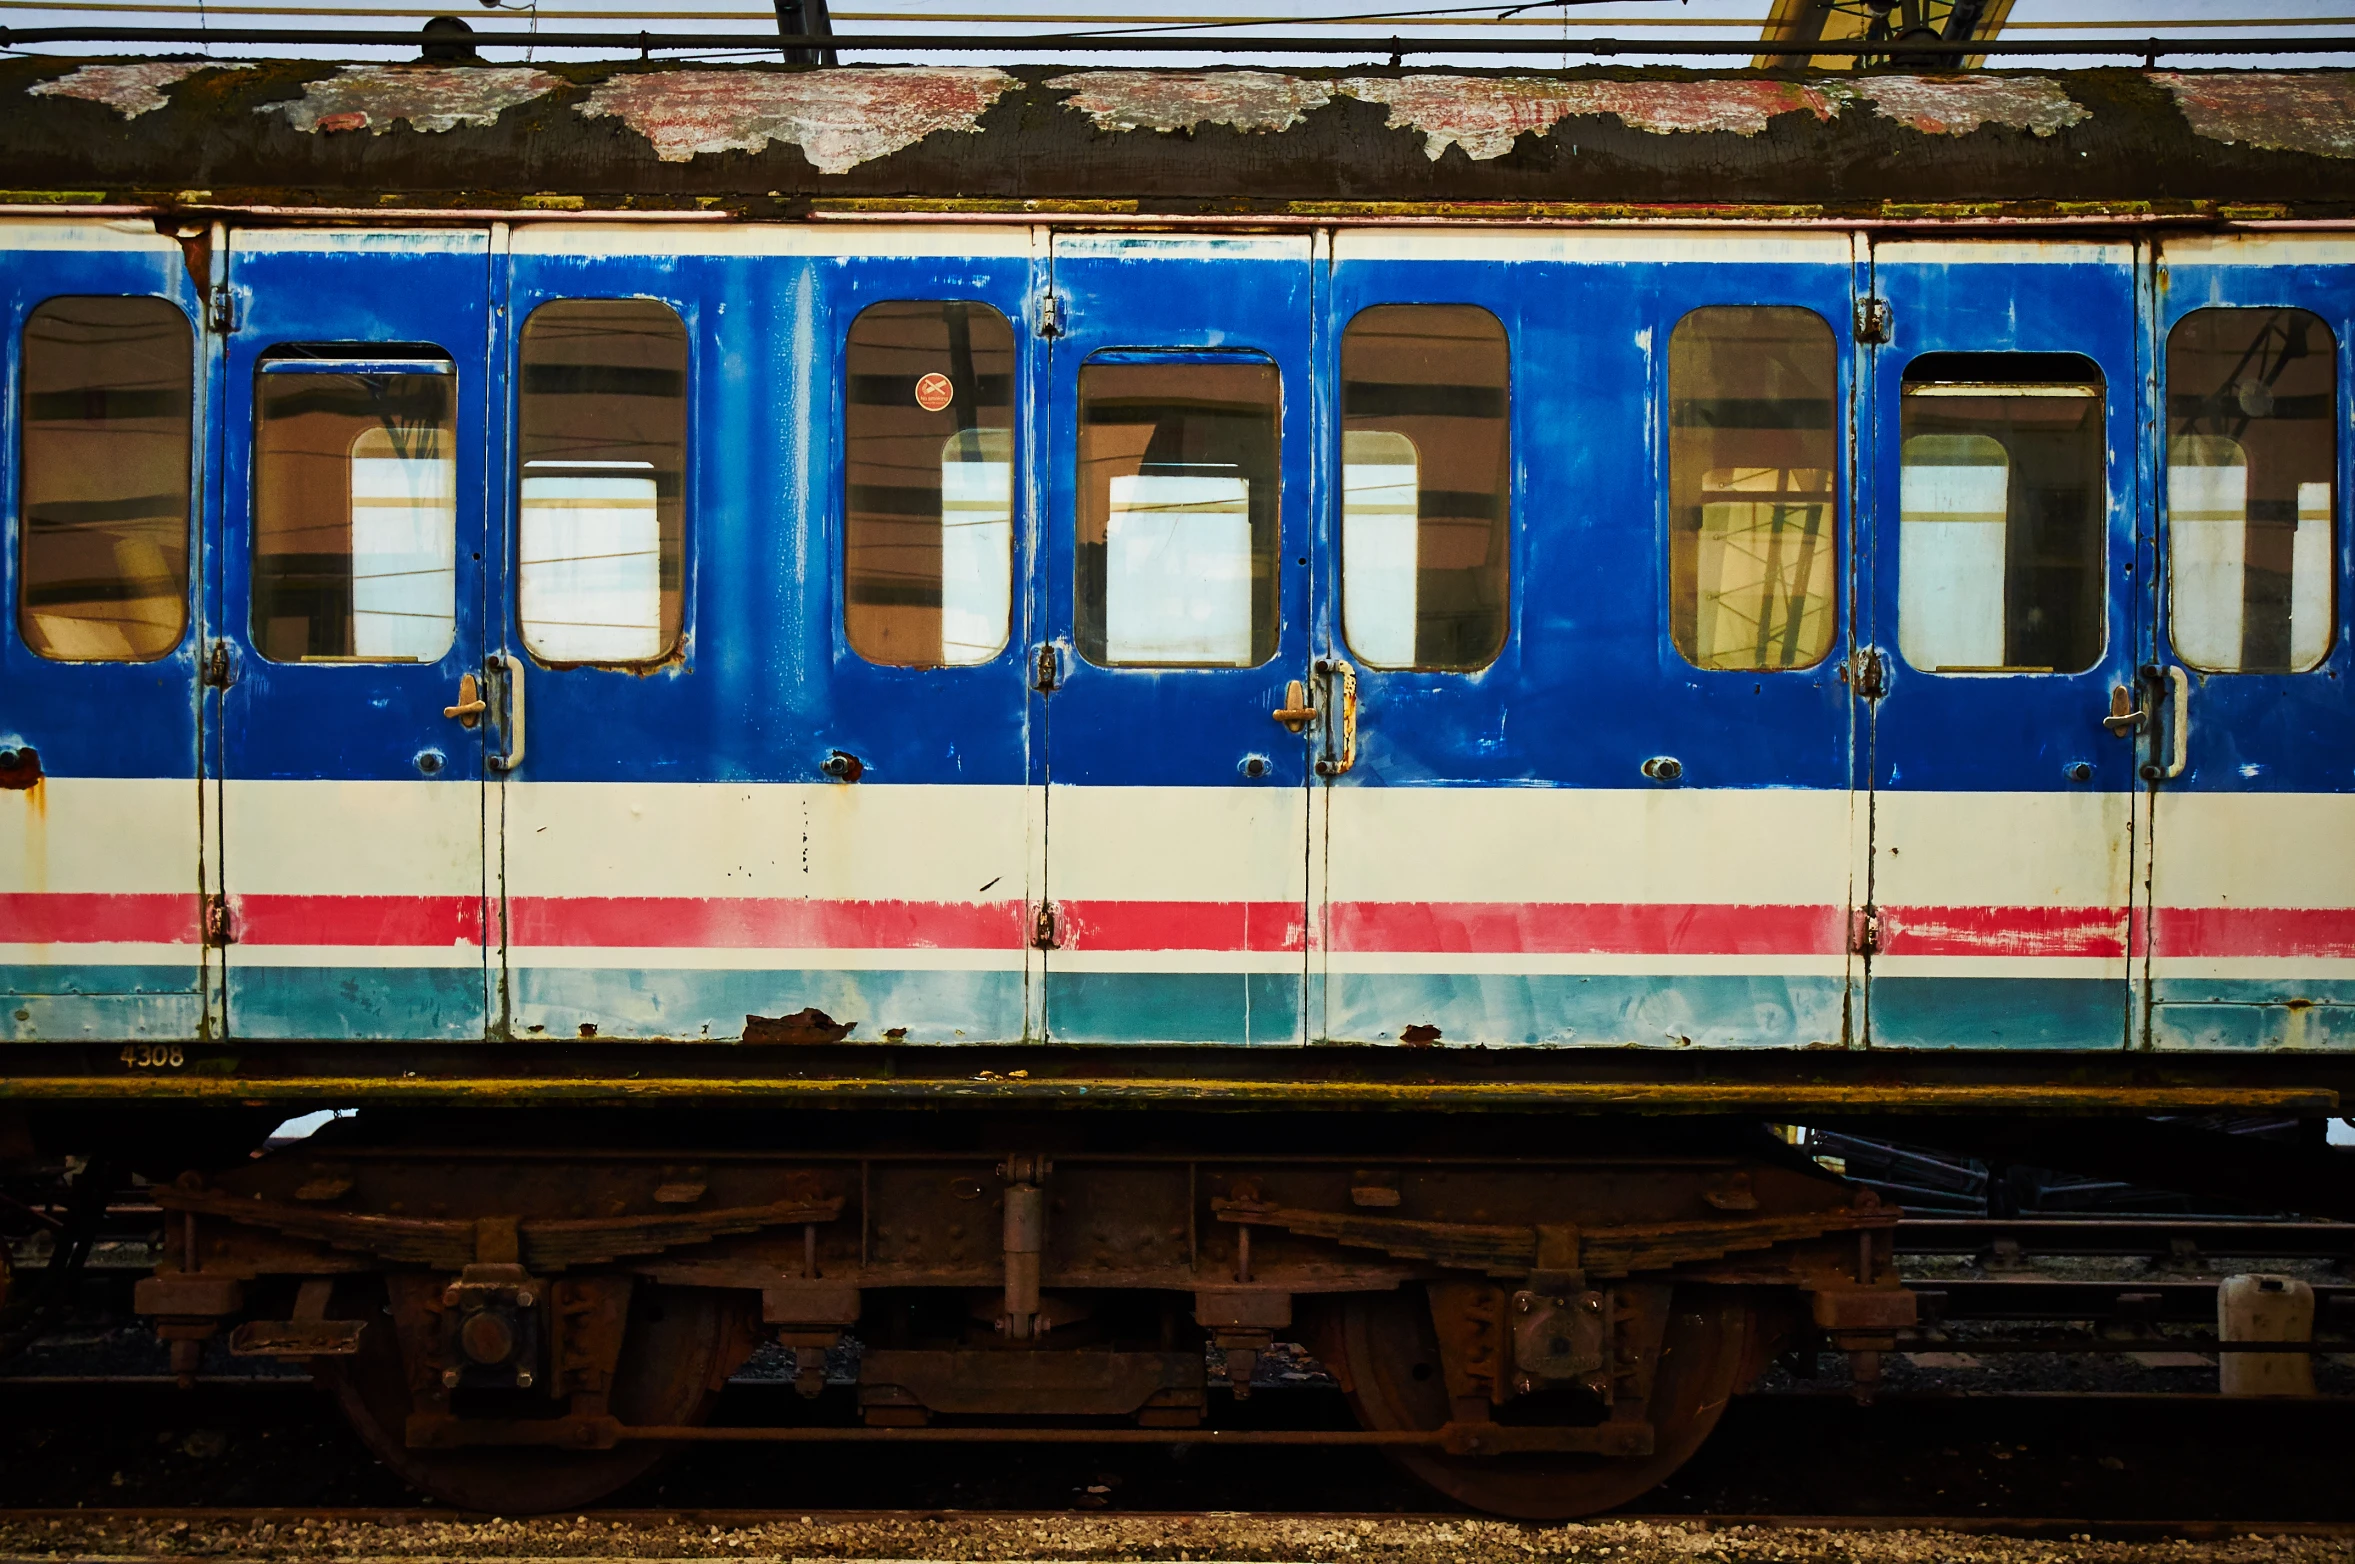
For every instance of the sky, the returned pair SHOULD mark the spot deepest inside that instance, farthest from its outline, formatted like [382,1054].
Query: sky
[1250,31]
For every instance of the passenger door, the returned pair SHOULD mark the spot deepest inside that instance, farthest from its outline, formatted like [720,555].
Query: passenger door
[2006,602]
[761,601]
[101,851]
[350,563]
[1588,560]
[1178,476]
[2253,841]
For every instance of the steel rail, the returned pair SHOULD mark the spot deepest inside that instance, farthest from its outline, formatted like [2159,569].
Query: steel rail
[391,1516]
[2233,1236]
[1397,48]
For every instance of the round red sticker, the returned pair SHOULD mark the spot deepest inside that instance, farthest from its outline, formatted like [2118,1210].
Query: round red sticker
[934,392]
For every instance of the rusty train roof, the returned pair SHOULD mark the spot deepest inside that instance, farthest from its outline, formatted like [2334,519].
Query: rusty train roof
[780,141]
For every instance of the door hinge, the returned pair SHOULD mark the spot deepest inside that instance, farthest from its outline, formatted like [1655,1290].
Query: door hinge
[219,927]
[1046,668]
[1046,931]
[220,669]
[1050,314]
[1873,319]
[1864,932]
[220,309]
[1866,674]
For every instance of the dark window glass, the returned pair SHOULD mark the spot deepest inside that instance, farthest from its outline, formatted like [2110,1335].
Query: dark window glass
[1178,510]
[2001,502]
[103,514]
[2252,459]
[602,442]
[1426,477]
[928,457]
[1753,485]
[355,505]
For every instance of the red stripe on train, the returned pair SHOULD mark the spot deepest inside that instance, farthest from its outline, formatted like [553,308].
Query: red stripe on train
[2003,931]
[1182,925]
[757,923]
[1400,928]
[1589,928]
[100,918]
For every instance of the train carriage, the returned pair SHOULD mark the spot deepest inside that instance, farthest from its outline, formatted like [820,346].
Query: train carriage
[1071,724]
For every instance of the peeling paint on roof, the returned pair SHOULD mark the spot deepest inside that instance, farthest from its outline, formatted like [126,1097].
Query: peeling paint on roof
[428,97]
[1958,105]
[839,118]
[130,90]
[2275,110]
[1181,100]
[1484,114]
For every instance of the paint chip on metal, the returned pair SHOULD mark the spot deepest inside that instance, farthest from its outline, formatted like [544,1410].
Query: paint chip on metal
[838,118]
[1485,114]
[130,90]
[1958,105]
[428,97]
[2277,111]
[1181,100]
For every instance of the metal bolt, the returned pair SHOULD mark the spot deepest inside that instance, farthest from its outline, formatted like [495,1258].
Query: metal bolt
[1525,1385]
[524,1299]
[450,1295]
[523,1379]
[449,1379]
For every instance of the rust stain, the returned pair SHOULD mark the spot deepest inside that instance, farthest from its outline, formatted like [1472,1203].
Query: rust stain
[1958,105]
[1485,114]
[2278,111]
[810,1025]
[129,90]
[20,768]
[1181,100]
[838,118]
[429,98]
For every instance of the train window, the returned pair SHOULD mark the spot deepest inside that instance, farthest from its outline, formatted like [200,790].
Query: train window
[355,504]
[107,395]
[928,530]
[602,443]
[1753,485]
[2001,508]
[2252,397]
[1425,475]
[1177,520]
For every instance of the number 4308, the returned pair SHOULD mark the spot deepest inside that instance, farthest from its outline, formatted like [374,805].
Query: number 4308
[154,1056]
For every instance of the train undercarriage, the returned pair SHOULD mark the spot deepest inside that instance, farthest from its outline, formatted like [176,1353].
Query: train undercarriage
[1541,1319]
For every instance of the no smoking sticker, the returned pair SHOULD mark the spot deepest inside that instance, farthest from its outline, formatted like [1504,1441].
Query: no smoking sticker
[934,392]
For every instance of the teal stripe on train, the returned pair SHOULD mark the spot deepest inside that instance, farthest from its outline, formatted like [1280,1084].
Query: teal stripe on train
[1587,1009]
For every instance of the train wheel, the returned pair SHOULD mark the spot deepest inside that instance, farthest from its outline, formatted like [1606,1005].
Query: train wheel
[1392,1355]
[680,1345]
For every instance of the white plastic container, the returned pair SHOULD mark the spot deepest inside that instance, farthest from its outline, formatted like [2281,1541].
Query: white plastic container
[2265,1308]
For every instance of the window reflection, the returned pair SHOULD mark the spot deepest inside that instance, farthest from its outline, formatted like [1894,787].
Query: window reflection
[355,507]
[928,435]
[602,442]
[2251,457]
[1753,454]
[2001,507]
[1178,510]
[103,517]
[1425,486]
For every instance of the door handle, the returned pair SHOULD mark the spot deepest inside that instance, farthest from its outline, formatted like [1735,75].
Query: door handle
[2178,688]
[510,669]
[470,705]
[1335,670]
[1296,713]
[2179,735]
[2125,717]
